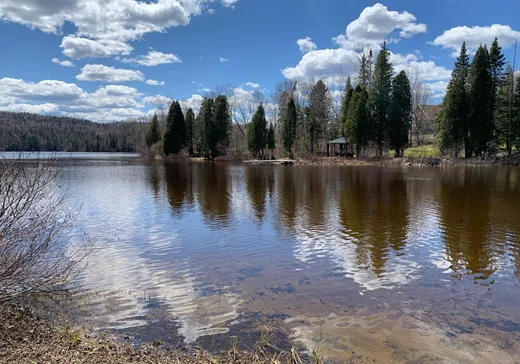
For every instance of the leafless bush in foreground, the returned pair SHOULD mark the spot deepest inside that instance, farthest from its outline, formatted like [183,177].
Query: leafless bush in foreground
[36,253]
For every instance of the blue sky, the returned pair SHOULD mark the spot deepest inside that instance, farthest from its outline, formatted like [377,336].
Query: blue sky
[95,60]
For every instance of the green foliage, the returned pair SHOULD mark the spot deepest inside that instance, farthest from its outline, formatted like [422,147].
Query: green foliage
[289,124]
[175,133]
[357,117]
[221,125]
[190,125]
[480,97]
[365,70]
[400,120]
[153,135]
[257,133]
[516,114]
[209,139]
[271,143]
[380,98]
[505,112]
[346,128]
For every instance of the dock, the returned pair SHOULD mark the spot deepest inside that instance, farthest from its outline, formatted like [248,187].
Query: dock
[271,162]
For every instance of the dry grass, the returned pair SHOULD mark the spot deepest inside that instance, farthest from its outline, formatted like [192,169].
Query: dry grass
[24,338]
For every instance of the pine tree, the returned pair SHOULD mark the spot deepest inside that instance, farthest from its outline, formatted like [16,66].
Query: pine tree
[380,99]
[345,127]
[504,112]
[320,105]
[257,133]
[289,124]
[357,117]
[221,125]
[400,113]
[480,88]
[175,133]
[365,69]
[153,134]
[516,114]
[271,143]
[190,125]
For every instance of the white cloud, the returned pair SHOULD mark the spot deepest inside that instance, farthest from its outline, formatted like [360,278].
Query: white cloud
[251,84]
[111,96]
[194,103]
[323,62]
[306,45]
[102,21]
[426,70]
[63,63]
[475,36]
[222,59]
[157,100]
[78,48]
[47,90]
[438,88]
[34,109]
[377,24]
[204,90]
[155,83]
[99,72]
[154,58]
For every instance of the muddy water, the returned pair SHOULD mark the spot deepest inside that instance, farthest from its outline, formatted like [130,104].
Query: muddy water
[363,264]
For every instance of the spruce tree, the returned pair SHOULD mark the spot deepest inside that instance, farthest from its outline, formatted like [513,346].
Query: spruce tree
[357,117]
[320,105]
[504,113]
[209,140]
[190,126]
[380,99]
[221,125]
[257,133]
[153,134]
[345,128]
[400,120]
[496,63]
[289,124]
[175,133]
[271,143]
[480,88]
[516,114]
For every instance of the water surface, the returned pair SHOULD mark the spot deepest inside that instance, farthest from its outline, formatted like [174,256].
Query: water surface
[366,264]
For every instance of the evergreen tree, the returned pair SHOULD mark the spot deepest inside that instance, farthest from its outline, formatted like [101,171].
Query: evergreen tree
[357,117]
[452,121]
[504,114]
[289,124]
[365,69]
[320,106]
[347,97]
[153,134]
[480,88]
[175,133]
[209,140]
[400,113]
[271,143]
[198,134]
[496,62]
[257,133]
[380,99]
[516,114]
[190,126]
[221,125]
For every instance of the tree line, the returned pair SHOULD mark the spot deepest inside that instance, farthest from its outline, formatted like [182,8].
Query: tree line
[481,110]
[31,132]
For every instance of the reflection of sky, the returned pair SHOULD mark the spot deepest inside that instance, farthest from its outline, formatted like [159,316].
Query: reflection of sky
[143,258]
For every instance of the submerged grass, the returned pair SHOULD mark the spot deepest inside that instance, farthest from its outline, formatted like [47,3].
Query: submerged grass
[25,338]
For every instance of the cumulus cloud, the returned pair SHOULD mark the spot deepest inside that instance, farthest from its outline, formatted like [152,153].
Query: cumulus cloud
[33,109]
[205,89]
[154,58]
[99,72]
[306,45]
[194,103]
[62,63]
[475,36]
[251,84]
[105,22]
[79,48]
[157,100]
[323,62]
[46,90]
[155,83]
[377,24]
[222,59]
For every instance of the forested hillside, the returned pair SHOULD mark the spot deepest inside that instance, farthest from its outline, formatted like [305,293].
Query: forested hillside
[23,131]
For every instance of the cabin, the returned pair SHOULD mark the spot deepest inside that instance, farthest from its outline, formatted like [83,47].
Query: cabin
[332,147]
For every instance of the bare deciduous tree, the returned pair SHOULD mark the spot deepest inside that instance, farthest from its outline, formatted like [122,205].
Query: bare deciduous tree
[36,253]
[421,96]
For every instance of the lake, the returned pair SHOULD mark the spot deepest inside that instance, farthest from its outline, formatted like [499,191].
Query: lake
[367,264]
